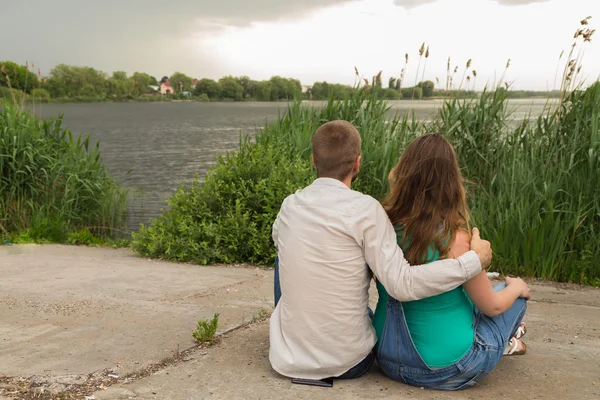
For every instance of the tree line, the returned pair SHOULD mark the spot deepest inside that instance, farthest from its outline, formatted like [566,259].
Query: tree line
[67,81]
[74,82]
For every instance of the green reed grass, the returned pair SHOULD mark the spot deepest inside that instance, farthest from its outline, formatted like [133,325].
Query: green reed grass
[533,185]
[52,184]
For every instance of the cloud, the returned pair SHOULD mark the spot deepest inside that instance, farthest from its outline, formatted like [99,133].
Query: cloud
[416,3]
[412,3]
[133,34]
[519,2]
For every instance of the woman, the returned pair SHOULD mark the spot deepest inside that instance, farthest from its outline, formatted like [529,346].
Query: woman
[449,341]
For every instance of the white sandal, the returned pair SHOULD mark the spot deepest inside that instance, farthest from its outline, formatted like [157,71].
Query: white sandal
[521,331]
[515,347]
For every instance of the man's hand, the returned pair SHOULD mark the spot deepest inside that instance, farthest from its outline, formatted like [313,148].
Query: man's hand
[523,288]
[482,248]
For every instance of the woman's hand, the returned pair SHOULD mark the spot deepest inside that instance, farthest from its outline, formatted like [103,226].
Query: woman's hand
[519,284]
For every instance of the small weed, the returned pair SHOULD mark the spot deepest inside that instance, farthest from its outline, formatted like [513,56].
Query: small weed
[262,315]
[83,238]
[118,243]
[206,330]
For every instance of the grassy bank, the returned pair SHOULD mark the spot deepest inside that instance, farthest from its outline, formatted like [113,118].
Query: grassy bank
[534,185]
[54,187]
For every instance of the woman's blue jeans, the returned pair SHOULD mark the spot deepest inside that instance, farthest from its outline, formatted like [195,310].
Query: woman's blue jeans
[400,360]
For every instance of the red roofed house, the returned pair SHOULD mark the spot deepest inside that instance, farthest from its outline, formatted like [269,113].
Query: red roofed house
[165,88]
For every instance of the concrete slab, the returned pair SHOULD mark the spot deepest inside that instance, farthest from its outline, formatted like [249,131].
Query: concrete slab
[563,362]
[76,310]
[69,313]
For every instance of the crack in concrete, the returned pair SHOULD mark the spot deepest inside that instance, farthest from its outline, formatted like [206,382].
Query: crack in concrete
[74,386]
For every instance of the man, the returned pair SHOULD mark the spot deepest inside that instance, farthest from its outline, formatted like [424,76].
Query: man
[327,237]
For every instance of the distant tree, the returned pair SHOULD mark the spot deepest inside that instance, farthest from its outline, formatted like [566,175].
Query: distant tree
[279,89]
[231,89]
[40,94]
[284,88]
[390,93]
[140,83]
[55,87]
[153,81]
[248,86]
[181,82]
[208,87]
[320,90]
[324,90]
[295,87]
[71,81]
[164,79]
[19,76]
[418,94]
[427,88]
[117,87]
[262,90]
[120,75]
[88,91]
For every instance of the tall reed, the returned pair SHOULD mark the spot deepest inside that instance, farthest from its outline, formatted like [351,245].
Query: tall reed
[534,185]
[52,184]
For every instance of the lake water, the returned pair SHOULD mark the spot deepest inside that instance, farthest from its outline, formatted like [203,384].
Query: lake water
[154,147]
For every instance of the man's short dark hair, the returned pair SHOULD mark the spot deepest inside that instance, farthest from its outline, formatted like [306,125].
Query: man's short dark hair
[336,145]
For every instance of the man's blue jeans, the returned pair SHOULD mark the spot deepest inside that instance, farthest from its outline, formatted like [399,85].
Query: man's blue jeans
[358,370]
[400,360]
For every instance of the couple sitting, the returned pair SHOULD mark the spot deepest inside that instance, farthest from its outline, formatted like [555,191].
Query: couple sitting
[439,323]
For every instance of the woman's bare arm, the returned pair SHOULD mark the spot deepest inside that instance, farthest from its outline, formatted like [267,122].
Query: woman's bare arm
[480,289]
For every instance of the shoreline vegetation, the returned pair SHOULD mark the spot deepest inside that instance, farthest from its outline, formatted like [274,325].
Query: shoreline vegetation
[54,187]
[515,95]
[534,186]
[20,84]
[540,212]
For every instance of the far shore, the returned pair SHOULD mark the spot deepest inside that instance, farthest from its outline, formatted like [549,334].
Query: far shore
[195,100]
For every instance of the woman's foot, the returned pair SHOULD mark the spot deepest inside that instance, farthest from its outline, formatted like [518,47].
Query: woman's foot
[521,331]
[515,347]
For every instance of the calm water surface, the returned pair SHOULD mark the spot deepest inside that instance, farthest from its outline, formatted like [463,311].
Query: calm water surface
[154,147]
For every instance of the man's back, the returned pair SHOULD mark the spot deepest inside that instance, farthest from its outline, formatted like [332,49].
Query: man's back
[320,327]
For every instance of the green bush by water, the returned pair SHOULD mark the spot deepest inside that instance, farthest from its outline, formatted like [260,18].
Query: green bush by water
[228,218]
[53,185]
[534,186]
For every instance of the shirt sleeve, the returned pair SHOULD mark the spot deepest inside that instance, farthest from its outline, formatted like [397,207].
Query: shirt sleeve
[401,280]
[275,231]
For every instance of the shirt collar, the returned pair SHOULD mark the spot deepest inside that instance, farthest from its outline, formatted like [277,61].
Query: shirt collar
[330,182]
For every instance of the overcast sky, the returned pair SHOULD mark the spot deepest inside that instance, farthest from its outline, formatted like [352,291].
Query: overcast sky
[311,40]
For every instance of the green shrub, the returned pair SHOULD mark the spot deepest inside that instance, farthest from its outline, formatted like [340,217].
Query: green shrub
[83,238]
[40,94]
[206,330]
[228,218]
[51,184]
[11,96]
[88,91]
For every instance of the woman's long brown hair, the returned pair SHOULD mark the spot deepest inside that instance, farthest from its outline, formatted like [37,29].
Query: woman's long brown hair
[427,197]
